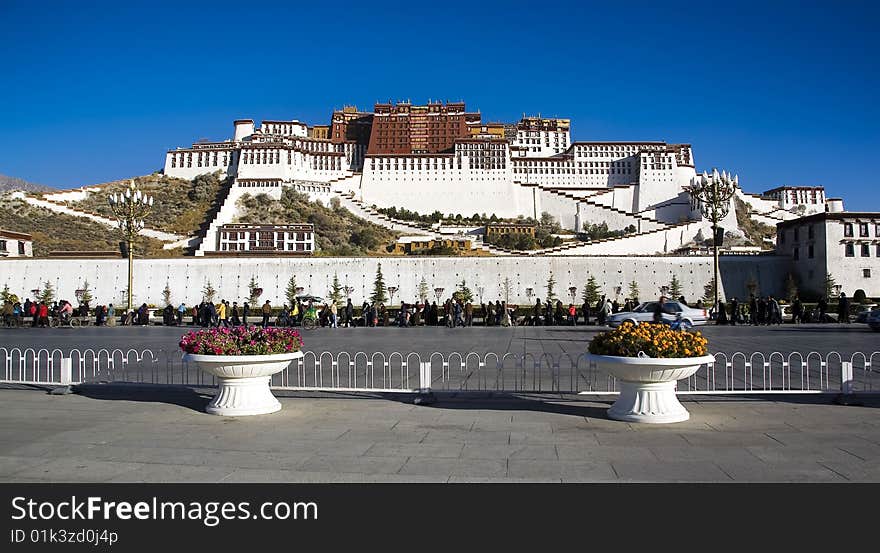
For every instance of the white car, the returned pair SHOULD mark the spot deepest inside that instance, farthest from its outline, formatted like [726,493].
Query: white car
[644,313]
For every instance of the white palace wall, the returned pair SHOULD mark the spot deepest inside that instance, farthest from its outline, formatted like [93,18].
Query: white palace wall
[230,276]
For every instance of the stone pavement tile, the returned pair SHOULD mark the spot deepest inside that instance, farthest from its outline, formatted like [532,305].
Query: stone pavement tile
[509,451]
[566,470]
[680,471]
[346,448]
[300,476]
[813,438]
[590,453]
[462,437]
[363,464]
[49,448]
[490,480]
[519,426]
[354,434]
[155,473]
[729,438]
[781,455]
[455,467]
[205,457]
[436,450]
[672,454]
[854,470]
[664,437]
[574,436]
[425,426]
[11,464]
[758,471]
[77,469]
[866,450]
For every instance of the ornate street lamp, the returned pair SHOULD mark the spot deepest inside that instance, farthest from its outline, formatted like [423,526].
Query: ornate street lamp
[480,290]
[837,289]
[529,293]
[438,292]
[348,290]
[712,195]
[130,209]
[572,291]
[391,291]
[664,290]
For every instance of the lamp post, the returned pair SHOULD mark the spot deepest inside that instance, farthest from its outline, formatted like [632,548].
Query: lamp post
[712,195]
[480,290]
[529,293]
[837,289]
[572,291]
[130,209]
[391,291]
[348,290]
[438,292]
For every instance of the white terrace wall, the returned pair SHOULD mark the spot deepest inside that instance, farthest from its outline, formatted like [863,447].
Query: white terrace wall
[230,276]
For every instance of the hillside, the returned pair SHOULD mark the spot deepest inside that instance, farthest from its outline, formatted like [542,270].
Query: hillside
[15,183]
[337,230]
[180,205]
[57,232]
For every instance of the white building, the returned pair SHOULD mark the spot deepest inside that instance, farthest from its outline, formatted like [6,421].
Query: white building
[266,239]
[845,245]
[16,244]
[804,199]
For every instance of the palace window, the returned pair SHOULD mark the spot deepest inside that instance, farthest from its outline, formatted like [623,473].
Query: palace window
[866,250]
[866,273]
[847,229]
[795,254]
[810,233]
[850,250]
[863,229]
[810,251]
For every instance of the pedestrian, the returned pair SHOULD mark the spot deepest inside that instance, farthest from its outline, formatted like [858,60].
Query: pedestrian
[606,311]
[267,312]
[181,309]
[822,306]
[586,312]
[333,313]
[572,315]
[468,314]
[349,314]
[658,310]
[775,311]
[537,311]
[797,310]
[505,315]
[722,313]
[843,309]
[753,310]
[734,311]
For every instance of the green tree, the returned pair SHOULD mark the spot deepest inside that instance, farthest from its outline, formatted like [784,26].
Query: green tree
[254,291]
[336,291]
[709,292]
[166,294]
[7,296]
[829,285]
[47,294]
[592,292]
[791,288]
[423,289]
[208,292]
[675,288]
[86,298]
[290,292]
[506,289]
[463,293]
[551,284]
[379,289]
[634,290]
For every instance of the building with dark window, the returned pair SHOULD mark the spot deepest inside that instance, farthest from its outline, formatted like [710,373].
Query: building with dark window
[238,239]
[403,128]
[16,244]
[845,245]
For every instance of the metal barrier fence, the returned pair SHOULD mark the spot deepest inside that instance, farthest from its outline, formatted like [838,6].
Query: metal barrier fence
[412,372]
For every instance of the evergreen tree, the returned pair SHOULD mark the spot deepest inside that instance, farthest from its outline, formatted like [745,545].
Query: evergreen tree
[86,298]
[336,291]
[47,294]
[208,292]
[551,284]
[709,292]
[7,296]
[829,285]
[791,289]
[675,288]
[254,291]
[634,291]
[290,292]
[166,294]
[423,290]
[379,289]
[592,292]
[463,293]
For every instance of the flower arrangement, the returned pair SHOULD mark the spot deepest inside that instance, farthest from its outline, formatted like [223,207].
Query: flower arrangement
[653,339]
[241,340]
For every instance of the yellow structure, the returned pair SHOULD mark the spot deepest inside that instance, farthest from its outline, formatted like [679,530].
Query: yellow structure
[498,229]
[415,246]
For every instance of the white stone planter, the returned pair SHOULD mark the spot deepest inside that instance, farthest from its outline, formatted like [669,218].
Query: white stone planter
[647,386]
[243,381]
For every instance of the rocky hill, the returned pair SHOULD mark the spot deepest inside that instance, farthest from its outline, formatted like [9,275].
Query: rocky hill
[15,183]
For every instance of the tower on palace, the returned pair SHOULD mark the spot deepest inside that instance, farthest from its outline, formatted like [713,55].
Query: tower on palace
[403,128]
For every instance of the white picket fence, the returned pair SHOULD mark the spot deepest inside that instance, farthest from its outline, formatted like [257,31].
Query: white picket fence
[739,373]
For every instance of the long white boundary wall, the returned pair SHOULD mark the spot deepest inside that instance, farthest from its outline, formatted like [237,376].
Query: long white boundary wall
[230,276]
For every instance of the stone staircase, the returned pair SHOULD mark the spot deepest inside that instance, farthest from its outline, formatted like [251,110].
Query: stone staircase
[223,212]
[357,207]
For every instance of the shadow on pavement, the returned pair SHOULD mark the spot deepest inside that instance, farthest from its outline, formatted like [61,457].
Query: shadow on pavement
[173,395]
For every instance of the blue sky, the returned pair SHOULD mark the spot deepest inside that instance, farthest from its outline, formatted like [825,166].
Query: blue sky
[778,92]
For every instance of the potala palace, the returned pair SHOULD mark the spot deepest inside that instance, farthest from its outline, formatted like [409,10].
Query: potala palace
[441,157]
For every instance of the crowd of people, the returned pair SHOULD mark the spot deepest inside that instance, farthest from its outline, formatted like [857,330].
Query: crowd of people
[454,312]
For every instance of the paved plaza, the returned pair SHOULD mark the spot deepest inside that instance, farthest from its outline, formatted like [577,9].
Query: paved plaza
[115,434]
[555,340]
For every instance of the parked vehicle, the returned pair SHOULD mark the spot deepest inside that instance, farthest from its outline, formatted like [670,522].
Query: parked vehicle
[862,316]
[644,313]
[873,320]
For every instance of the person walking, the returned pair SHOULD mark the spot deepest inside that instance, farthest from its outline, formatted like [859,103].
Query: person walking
[658,310]
[267,312]
[722,313]
[349,314]
[586,312]
[734,311]
[468,314]
[505,315]
[221,314]
[181,309]
[753,310]
[236,319]
[823,309]
[537,311]
[774,310]
[245,311]
[606,311]
[572,315]
[333,313]
[797,310]
[843,309]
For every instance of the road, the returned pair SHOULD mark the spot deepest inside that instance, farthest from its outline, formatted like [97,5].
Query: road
[845,339]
